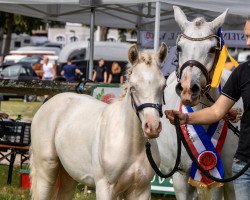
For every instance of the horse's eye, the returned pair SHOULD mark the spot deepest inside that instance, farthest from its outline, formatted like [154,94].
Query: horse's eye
[178,49]
[132,89]
[212,50]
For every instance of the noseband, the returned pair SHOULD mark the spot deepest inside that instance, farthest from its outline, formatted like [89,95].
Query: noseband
[192,63]
[139,108]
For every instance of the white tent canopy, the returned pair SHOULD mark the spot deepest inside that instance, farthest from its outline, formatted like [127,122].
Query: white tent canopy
[128,13]
[139,14]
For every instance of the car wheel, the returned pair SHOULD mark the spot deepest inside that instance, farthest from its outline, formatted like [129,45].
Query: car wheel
[30,98]
[5,98]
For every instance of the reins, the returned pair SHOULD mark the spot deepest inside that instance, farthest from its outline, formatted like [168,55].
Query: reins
[195,63]
[139,108]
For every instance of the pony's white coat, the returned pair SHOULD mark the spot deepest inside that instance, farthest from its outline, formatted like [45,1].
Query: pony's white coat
[76,138]
[193,50]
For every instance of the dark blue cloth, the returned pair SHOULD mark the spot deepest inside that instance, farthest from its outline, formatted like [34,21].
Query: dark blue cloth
[70,72]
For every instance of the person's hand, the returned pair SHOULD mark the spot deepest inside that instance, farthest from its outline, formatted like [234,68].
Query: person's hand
[3,115]
[170,114]
[234,115]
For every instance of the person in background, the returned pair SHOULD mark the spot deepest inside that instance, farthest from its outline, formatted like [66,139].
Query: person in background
[100,72]
[70,71]
[1,60]
[49,72]
[116,75]
[237,85]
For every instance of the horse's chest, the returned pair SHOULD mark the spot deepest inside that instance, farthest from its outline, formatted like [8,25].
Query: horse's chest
[132,178]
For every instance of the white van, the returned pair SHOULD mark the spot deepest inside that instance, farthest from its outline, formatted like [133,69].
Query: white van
[22,52]
[244,56]
[109,51]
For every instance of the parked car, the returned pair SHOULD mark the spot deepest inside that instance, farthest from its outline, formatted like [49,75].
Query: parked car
[18,71]
[32,59]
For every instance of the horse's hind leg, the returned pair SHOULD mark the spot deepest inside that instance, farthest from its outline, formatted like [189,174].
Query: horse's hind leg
[183,191]
[229,193]
[64,186]
[44,173]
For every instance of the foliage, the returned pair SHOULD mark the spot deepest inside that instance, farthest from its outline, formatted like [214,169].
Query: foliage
[24,24]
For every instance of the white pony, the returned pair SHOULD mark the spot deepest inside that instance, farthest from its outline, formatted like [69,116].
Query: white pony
[189,90]
[76,138]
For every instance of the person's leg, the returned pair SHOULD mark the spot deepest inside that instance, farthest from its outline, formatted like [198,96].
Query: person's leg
[241,184]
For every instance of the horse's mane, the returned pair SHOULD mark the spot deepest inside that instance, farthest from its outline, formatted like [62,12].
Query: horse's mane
[199,21]
[144,57]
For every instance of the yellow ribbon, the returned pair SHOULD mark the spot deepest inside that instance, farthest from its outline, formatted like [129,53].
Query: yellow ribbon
[220,65]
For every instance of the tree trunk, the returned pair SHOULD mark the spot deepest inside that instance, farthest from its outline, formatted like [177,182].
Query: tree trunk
[104,33]
[1,30]
[9,22]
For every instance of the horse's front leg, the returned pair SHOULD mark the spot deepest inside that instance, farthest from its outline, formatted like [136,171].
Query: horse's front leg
[183,191]
[103,190]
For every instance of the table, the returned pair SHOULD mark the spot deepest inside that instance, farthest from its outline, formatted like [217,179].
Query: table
[9,152]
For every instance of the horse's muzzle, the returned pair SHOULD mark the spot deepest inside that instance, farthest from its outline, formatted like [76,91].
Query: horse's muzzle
[152,130]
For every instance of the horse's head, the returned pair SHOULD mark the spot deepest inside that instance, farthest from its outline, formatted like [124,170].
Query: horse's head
[145,85]
[198,48]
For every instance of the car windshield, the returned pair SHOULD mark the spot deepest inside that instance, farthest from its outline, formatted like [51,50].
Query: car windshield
[14,70]
[31,59]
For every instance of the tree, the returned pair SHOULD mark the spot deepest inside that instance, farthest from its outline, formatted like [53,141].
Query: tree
[12,23]
[9,25]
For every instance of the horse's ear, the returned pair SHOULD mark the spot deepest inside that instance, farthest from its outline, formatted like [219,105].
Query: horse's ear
[133,55]
[162,53]
[180,18]
[217,22]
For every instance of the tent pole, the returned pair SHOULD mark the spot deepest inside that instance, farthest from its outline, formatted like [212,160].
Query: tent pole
[138,26]
[157,26]
[91,48]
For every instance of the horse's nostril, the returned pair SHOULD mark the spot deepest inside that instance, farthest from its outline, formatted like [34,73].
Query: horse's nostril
[195,89]
[178,88]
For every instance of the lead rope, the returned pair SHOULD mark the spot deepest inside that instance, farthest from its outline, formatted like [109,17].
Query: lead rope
[155,167]
[180,138]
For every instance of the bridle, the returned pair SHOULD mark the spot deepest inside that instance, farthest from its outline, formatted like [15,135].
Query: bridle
[139,108]
[195,63]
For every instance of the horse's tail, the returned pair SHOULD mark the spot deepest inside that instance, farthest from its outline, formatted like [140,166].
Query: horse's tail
[33,180]
[204,194]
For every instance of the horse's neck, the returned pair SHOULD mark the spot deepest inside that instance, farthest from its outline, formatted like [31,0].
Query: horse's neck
[131,123]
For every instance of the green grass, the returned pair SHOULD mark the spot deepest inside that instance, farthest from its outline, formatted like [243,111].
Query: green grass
[18,107]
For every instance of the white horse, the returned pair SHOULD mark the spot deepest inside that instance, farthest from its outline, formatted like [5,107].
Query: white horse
[189,90]
[76,138]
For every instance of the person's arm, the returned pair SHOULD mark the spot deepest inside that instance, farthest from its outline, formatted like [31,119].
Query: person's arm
[105,77]
[78,71]
[62,73]
[205,116]
[121,79]
[110,78]
[54,71]
[94,76]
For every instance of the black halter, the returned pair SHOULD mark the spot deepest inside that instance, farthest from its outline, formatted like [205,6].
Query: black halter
[196,63]
[156,106]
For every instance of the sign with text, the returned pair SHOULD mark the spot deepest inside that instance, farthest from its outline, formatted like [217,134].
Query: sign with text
[233,38]
[162,186]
